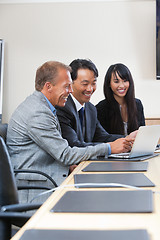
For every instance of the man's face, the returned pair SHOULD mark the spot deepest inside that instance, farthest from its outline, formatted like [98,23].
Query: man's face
[84,86]
[61,89]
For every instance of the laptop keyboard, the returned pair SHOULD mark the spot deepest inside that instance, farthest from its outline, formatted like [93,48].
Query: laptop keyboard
[120,155]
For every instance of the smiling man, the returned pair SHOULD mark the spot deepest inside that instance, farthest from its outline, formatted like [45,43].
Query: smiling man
[87,131]
[34,137]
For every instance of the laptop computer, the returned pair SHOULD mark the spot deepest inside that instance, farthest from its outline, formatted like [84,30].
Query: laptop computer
[144,144]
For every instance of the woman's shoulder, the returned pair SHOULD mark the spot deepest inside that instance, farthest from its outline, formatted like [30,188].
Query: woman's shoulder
[138,101]
[102,103]
[139,104]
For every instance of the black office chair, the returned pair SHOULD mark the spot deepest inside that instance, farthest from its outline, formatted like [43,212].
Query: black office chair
[10,208]
[9,204]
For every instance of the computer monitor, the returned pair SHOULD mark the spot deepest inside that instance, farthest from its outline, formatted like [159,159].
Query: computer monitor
[1,75]
[158,39]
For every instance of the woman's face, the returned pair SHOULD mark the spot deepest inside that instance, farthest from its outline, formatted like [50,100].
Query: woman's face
[119,86]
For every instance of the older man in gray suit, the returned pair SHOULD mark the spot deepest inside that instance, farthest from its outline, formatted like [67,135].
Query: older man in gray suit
[34,136]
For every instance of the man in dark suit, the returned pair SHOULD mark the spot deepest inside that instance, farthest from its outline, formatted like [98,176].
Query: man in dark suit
[84,76]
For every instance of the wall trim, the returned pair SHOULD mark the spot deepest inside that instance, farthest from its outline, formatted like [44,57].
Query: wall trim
[49,1]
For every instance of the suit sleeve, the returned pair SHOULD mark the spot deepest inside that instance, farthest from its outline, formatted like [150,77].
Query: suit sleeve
[103,136]
[70,129]
[46,135]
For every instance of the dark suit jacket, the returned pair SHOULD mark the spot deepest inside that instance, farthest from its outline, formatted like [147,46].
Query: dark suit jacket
[71,129]
[104,109]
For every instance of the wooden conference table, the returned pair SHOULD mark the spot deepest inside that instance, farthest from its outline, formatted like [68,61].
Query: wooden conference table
[44,219]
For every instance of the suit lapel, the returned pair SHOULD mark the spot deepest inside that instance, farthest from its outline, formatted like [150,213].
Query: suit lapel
[72,107]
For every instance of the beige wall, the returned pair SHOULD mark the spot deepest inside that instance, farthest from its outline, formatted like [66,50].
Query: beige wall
[106,32]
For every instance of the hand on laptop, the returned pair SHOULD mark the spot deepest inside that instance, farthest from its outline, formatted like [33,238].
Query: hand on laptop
[121,145]
[132,134]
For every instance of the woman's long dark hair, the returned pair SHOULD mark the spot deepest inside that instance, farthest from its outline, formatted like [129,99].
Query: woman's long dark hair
[116,122]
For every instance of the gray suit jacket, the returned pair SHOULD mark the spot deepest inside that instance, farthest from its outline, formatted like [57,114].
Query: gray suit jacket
[34,141]
[71,128]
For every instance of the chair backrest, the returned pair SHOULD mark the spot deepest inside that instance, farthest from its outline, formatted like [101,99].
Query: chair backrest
[3,130]
[8,189]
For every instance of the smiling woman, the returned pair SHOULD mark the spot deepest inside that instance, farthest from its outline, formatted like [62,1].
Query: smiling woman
[120,112]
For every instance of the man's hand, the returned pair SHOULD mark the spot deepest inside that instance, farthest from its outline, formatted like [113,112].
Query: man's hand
[72,167]
[121,145]
[132,134]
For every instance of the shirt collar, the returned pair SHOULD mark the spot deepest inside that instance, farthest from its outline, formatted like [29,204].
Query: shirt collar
[78,105]
[50,105]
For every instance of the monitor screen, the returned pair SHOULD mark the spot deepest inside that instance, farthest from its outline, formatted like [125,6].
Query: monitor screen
[158,38]
[1,74]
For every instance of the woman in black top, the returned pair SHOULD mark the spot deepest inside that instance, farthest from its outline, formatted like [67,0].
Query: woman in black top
[120,112]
